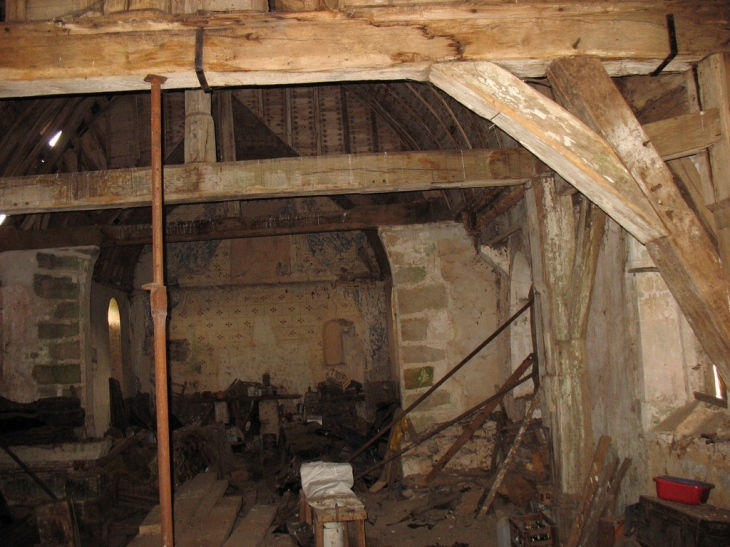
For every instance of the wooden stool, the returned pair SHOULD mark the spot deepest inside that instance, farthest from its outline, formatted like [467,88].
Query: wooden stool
[333,509]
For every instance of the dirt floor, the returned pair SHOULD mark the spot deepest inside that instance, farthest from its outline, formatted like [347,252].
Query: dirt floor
[406,515]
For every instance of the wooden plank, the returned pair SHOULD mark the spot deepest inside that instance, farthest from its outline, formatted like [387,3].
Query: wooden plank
[215,529]
[552,233]
[687,257]
[690,179]
[205,506]
[187,499]
[555,136]
[714,79]
[15,10]
[363,173]
[590,230]
[224,126]
[684,135]
[499,477]
[115,54]
[252,529]
[589,489]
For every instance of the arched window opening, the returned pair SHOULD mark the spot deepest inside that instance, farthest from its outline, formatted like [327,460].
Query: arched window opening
[115,340]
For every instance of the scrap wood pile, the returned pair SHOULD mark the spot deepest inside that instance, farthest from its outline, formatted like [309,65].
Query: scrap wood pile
[599,495]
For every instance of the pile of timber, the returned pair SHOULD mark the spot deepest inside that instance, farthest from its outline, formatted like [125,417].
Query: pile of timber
[204,517]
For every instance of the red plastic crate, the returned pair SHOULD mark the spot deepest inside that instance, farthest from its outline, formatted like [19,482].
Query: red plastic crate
[682,490]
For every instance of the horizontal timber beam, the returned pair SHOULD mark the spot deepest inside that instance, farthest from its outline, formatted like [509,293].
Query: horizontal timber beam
[283,177]
[115,53]
[358,218]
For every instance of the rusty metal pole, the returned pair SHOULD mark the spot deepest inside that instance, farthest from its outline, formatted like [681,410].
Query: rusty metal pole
[158,306]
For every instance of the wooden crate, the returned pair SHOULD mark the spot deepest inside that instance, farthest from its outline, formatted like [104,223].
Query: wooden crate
[534,529]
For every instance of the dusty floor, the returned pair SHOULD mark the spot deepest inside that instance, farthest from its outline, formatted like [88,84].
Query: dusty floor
[405,515]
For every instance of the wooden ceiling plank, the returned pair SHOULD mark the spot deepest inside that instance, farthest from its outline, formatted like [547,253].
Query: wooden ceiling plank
[283,177]
[555,136]
[377,108]
[105,54]
[686,257]
[456,145]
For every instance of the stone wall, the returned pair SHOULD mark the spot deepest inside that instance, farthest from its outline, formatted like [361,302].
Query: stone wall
[45,335]
[447,300]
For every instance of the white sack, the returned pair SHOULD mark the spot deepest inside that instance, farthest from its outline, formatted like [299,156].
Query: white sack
[320,479]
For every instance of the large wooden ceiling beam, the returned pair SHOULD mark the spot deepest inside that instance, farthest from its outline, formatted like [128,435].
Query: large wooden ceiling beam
[115,53]
[284,177]
[358,218]
[555,136]
[686,257]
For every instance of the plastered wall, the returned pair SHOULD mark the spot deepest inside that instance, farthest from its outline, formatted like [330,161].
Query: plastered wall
[242,308]
[645,364]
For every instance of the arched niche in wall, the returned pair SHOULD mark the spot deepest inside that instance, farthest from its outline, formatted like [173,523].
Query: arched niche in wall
[114,323]
[336,341]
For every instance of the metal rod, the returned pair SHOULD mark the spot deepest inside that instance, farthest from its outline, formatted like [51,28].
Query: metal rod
[496,397]
[28,470]
[158,307]
[446,376]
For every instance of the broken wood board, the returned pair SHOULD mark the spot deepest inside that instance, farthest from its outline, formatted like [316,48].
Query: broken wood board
[252,529]
[510,455]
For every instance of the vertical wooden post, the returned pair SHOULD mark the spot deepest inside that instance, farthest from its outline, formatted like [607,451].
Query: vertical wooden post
[714,81]
[158,307]
[199,130]
[564,258]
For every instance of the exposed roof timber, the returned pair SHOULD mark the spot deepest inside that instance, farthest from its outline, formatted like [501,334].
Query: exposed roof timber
[555,136]
[116,53]
[358,218]
[284,177]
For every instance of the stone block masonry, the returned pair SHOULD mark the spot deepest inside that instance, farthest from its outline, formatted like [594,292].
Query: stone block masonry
[46,334]
[444,306]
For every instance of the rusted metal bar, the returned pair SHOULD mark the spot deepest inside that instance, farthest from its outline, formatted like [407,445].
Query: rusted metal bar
[28,470]
[446,376]
[496,397]
[158,307]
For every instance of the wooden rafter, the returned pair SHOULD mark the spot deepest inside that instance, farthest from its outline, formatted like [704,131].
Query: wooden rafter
[686,257]
[555,136]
